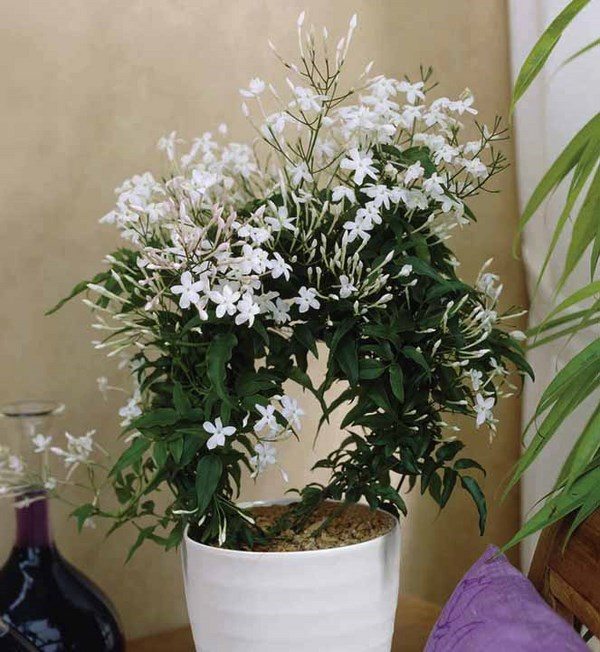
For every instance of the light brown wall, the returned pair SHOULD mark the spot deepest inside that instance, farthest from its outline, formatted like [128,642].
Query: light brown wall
[87,87]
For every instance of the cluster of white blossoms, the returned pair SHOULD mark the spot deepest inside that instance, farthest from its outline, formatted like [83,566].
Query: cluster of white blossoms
[325,171]
[228,232]
[38,467]
[268,429]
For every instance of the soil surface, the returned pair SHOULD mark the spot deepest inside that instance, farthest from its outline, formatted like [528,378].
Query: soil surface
[355,524]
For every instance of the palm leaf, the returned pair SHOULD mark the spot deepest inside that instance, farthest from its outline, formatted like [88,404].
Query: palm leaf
[585,229]
[590,290]
[581,493]
[585,449]
[567,160]
[543,48]
[587,48]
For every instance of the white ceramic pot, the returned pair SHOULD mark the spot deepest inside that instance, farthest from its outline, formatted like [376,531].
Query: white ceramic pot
[334,600]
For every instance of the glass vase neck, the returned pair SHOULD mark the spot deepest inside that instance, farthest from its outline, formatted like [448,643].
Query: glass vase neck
[33,521]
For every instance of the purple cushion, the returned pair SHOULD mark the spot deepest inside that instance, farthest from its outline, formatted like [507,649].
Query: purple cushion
[494,609]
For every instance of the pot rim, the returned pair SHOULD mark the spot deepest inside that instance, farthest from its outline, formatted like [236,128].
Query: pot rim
[228,552]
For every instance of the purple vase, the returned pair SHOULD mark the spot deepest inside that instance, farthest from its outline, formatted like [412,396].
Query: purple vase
[45,598]
[12,641]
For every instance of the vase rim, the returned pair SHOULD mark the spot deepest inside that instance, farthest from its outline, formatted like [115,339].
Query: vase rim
[31,408]
[375,541]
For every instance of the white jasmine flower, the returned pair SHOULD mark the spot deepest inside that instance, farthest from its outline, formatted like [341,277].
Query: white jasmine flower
[464,105]
[281,312]
[15,464]
[406,270]
[78,449]
[346,287]
[359,227]
[247,310]
[255,88]
[281,221]
[343,192]
[379,193]
[413,91]
[40,443]
[225,300]
[130,411]
[483,409]
[362,165]
[518,335]
[218,432]
[189,290]
[266,455]
[416,199]
[487,283]
[300,173]
[167,144]
[433,185]
[476,377]
[307,99]
[279,267]
[50,484]
[413,172]
[447,153]
[371,212]
[307,299]
[475,167]
[267,420]
[102,382]
[254,259]
[291,411]
[276,123]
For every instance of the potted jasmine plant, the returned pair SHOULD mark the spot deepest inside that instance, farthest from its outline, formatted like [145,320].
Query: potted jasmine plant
[332,229]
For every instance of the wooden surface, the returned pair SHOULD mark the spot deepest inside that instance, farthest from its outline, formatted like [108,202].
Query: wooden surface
[414,620]
[569,577]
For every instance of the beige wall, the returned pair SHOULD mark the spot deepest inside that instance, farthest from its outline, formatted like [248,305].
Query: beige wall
[87,88]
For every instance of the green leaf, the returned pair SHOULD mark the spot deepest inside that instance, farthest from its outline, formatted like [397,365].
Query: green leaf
[160,453]
[82,513]
[343,327]
[543,48]
[132,455]
[347,357]
[181,402]
[584,362]
[585,227]
[154,418]
[584,166]
[564,405]
[590,290]
[584,450]
[78,289]
[448,484]
[416,356]
[217,356]
[561,167]
[397,382]
[208,474]
[144,533]
[472,487]
[304,335]
[559,506]
[176,447]
[370,368]
[448,451]
[466,463]
[587,48]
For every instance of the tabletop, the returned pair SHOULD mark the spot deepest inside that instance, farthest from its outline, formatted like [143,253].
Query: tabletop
[414,620]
